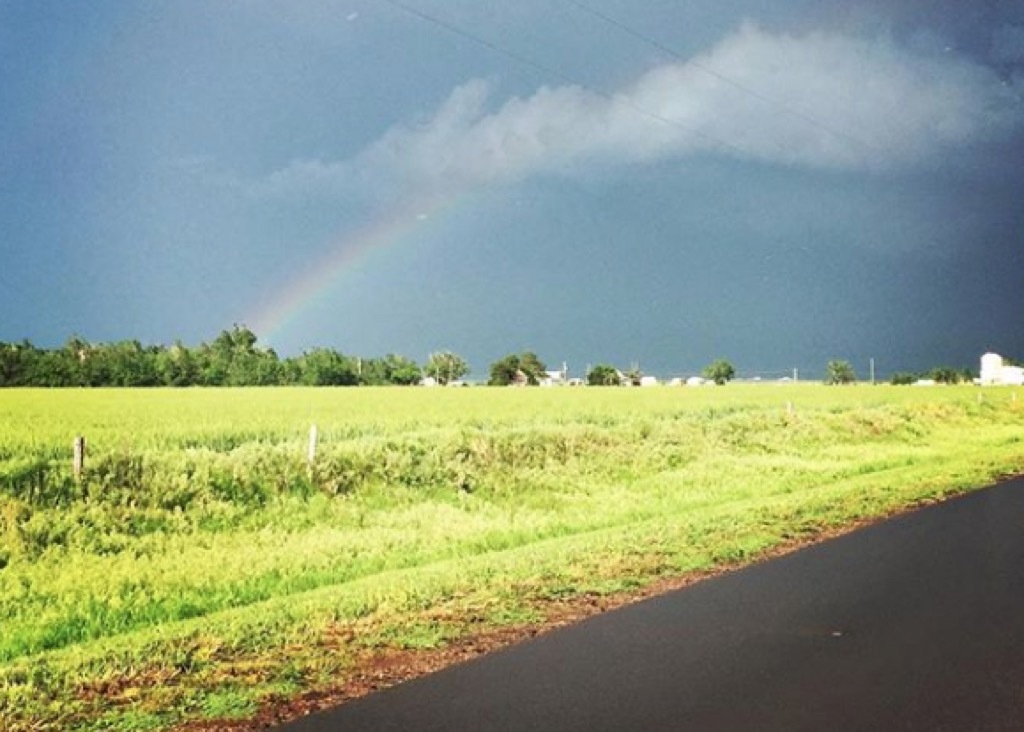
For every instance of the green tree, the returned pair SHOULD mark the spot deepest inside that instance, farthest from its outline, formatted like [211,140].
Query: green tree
[124,363]
[233,359]
[533,367]
[402,371]
[326,367]
[603,375]
[839,372]
[17,363]
[719,371]
[446,367]
[176,366]
[390,369]
[903,378]
[503,371]
[945,375]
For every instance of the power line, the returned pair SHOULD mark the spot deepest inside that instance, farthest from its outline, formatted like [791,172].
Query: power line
[548,71]
[793,111]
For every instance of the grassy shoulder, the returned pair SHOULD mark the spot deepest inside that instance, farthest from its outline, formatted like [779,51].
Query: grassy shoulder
[428,520]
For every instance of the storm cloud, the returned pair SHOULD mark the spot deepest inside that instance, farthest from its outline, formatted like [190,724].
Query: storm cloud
[819,100]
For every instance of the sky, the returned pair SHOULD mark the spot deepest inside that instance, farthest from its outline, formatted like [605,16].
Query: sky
[778,183]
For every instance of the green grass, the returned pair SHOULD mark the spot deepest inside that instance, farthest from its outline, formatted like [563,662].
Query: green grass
[200,568]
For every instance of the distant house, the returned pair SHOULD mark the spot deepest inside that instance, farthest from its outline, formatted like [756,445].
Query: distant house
[555,378]
[995,372]
[696,381]
[648,381]
[428,381]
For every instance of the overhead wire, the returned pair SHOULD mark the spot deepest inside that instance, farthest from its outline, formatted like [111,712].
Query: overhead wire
[783,106]
[548,71]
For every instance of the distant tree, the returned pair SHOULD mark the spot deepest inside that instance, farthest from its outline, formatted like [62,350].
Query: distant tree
[56,368]
[390,369]
[402,371]
[17,363]
[532,366]
[446,367]
[125,363]
[260,368]
[372,371]
[839,372]
[237,340]
[634,375]
[903,378]
[603,375]
[176,366]
[326,367]
[233,359]
[503,371]
[719,371]
[945,375]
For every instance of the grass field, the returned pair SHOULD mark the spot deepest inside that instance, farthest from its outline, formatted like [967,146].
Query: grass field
[200,569]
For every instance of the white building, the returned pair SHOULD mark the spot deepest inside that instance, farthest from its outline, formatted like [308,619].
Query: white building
[556,378]
[994,372]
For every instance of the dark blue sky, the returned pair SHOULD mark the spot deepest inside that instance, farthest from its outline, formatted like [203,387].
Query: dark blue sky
[777,183]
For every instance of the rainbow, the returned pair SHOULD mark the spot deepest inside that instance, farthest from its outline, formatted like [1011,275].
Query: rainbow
[344,256]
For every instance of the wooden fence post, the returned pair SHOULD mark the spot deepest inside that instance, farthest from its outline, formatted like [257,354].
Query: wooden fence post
[78,464]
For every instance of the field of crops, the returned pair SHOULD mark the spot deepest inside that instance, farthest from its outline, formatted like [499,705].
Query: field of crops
[200,568]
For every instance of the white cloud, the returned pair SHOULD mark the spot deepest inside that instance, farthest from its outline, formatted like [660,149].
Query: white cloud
[833,102]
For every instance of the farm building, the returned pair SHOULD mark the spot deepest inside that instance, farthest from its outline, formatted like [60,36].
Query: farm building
[995,372]
[556,378]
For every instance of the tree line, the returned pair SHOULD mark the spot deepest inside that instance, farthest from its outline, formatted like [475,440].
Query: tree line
[233,358]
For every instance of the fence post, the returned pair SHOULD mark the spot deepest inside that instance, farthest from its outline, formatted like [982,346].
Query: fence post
[78,463]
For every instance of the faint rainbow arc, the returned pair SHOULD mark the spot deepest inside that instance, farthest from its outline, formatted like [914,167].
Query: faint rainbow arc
[347,253]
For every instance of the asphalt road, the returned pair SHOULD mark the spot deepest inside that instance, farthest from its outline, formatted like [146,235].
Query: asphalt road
[916,623]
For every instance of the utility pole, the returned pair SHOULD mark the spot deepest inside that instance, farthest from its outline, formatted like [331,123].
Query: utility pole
[872,371]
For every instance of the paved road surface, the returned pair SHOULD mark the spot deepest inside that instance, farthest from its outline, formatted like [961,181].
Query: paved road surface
[913,624]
